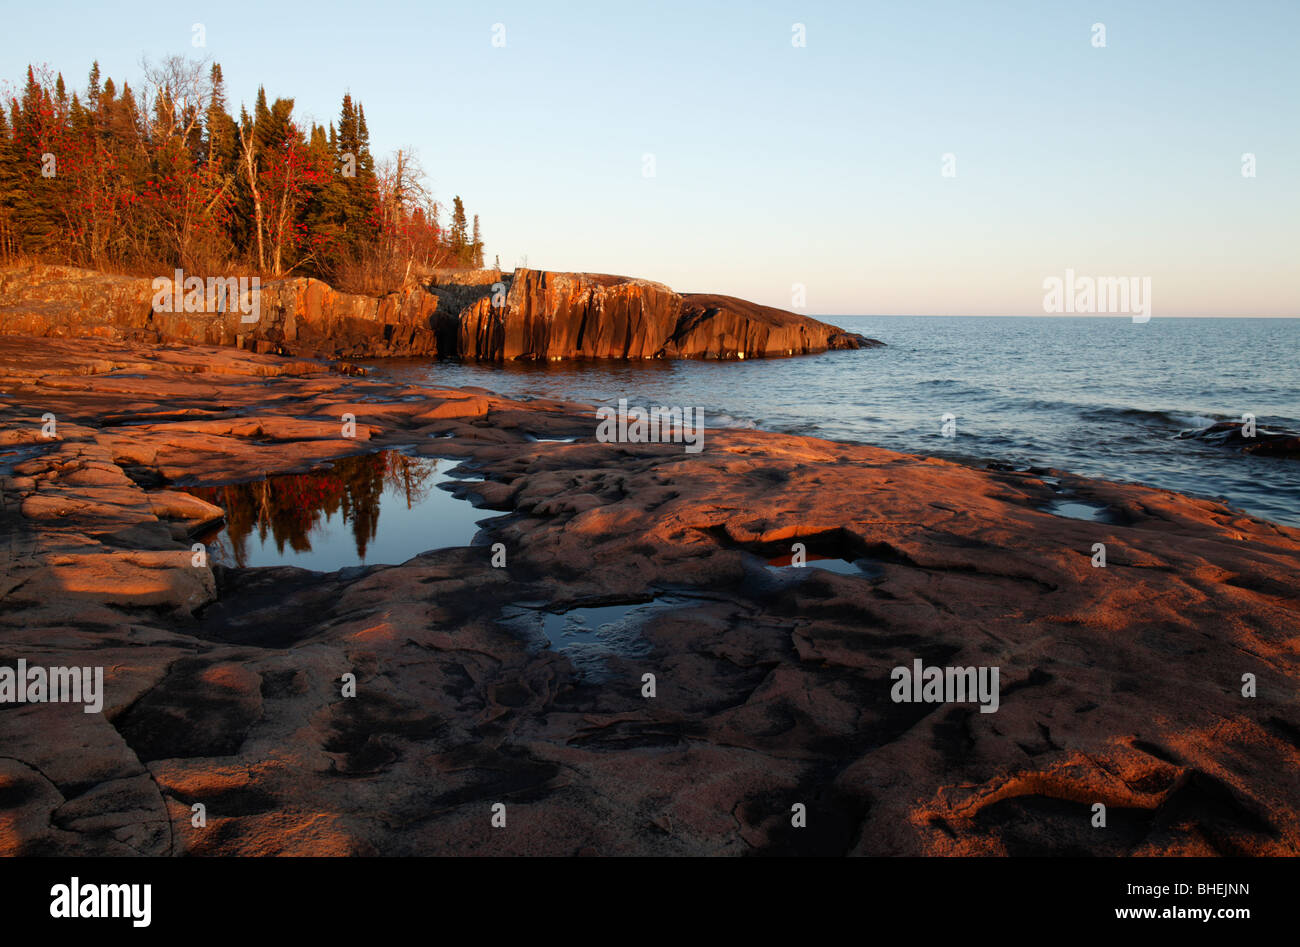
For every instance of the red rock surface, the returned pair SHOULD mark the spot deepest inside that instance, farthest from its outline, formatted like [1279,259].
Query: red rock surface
[542,316]
[304,316]
[727,327]
[1119,685]
[549,316]
[571,315]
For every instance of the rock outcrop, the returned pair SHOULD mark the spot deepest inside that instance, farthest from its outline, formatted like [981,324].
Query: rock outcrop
[298,316]
[1234,434]
[727,327]
[1120,685]
[569,315]
[547,316]
[533,314]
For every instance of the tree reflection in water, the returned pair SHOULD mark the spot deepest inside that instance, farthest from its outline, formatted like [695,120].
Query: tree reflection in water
[289,507]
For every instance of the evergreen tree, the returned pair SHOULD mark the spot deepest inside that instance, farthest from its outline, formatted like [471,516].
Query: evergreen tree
[125,188]
[92,87]
[77,115]
[350,200]
[220,150]
[459,238]
[34,213]
[260,111]
[363,138]
[11,192]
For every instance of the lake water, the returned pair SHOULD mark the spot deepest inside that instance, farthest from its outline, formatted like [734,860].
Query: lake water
[1098,397]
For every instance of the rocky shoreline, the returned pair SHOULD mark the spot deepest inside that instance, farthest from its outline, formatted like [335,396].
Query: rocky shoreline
[1119,685]
[485,315]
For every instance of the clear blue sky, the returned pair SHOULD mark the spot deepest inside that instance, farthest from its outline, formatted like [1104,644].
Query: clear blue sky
[778,165]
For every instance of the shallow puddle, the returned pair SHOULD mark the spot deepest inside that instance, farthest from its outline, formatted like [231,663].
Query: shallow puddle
[588,636]
[12,457]
[861,568]
[551,440]
[380,508]
[600,624]
[1080,510]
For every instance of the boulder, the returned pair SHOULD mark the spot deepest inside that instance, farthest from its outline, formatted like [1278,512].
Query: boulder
[1264,443]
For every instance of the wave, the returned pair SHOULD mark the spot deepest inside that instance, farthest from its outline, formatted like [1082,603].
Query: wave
[1180,419]
[718,419]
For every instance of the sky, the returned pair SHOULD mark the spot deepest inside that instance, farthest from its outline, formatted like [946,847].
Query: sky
[776,165]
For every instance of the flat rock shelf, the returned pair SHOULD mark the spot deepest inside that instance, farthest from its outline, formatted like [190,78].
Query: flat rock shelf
[223,682]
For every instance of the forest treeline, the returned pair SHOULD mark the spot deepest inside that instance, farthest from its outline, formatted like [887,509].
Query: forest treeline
[162,177]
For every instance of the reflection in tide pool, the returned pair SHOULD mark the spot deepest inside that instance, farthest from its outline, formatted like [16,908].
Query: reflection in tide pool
[862,568]
[368,509]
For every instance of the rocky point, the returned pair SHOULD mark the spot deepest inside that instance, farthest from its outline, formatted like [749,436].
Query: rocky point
[527,314]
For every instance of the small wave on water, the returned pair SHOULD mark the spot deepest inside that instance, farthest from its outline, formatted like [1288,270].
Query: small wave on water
[1168,418]
[720,419]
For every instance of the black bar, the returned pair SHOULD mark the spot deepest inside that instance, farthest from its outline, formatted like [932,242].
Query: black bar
[330,896]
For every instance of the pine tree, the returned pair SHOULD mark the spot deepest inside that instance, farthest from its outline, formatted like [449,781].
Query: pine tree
[92,87]
[77,114]
[316,215]
[260,111]
[124,119]
[220,146]
[349,201]
[459,237]
[31,120]
[126,189]
[34,213]
[363,139]
[11,188]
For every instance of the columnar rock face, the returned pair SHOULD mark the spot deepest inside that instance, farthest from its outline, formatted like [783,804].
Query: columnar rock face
[570,315]
[534,315]
[585,315]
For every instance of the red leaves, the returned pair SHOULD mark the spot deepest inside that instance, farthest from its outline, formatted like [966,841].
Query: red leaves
[144,184]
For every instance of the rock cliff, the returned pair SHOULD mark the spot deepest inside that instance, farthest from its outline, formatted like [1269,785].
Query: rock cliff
[298,316]
[725,327]
[533,314]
